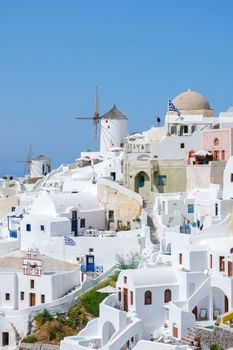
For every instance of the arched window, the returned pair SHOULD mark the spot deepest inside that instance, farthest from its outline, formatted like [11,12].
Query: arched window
[231,251]
[216,142]
[148,298]
[167,295]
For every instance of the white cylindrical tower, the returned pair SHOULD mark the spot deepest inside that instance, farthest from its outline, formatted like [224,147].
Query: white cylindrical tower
[40,166]
[114,128]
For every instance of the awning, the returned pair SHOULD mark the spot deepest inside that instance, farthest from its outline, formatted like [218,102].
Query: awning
[108,289]
[201,153]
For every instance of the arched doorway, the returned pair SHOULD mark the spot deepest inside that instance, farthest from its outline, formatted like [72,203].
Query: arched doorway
[175,331]
[142,184]
[226,304]
[107,332]
[167,295]
[194,311]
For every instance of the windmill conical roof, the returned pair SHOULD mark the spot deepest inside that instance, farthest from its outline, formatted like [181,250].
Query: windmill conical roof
[114,113]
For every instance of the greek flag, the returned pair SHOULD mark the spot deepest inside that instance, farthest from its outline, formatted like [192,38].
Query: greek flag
[69,241]
[173,108]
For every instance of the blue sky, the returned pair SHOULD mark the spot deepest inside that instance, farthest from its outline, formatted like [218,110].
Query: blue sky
[139,53]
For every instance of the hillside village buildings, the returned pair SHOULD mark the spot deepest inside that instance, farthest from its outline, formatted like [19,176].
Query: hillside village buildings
[172,185]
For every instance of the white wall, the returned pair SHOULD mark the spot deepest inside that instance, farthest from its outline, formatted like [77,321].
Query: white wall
[63,282]
[42,285]
[5,326]
[154,315]
[105,248]
[163,149]
[39,167]
[8,284]
[227,183]
[113,132]
[53,226]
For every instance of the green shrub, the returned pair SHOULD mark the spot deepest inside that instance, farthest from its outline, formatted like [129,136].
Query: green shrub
[42,318]
[123,228]
[91,300]
[127,262]
[137,218]
[216,126]
[76,317]
[30,339]
[214,347]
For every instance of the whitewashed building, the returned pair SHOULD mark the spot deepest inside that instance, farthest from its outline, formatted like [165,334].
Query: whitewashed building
[59,215]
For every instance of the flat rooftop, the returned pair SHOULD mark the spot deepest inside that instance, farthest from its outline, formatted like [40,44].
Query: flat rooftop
[14,262]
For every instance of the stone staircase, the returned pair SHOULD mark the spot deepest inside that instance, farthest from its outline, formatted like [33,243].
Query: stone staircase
[17,335]
[150,221]
[189,337]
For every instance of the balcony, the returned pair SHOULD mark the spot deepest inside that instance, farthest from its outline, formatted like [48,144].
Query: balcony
[91,269]
[13,234]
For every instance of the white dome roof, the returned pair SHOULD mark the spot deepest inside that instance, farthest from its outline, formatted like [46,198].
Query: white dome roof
[192,103]
[53,204]
[191,100]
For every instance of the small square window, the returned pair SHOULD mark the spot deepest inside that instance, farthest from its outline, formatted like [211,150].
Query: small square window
[42,227]
[7,296]
[111,215]
[182,145]
[32,284]
[162,180]
[28,227]
[91,250]
[82,223]
[12,208]
[190,208]
[21,295]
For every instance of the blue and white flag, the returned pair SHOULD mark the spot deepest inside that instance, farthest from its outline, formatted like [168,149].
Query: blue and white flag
[173,108]
[69,241]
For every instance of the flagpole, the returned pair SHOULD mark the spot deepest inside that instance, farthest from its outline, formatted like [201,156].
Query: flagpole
[63,253]
[168,124]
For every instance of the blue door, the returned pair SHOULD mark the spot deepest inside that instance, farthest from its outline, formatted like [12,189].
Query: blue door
[74,222]
[90,262]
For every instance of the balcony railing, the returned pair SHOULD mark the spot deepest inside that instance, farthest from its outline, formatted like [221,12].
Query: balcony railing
[13,234]
[97,269]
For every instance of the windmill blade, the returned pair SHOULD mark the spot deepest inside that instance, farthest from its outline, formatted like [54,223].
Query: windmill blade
[26,170]
[96,101]
[27,161]
[96,117]
[84,118]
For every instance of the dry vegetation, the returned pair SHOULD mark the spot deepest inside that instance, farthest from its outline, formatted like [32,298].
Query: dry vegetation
[52,329]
